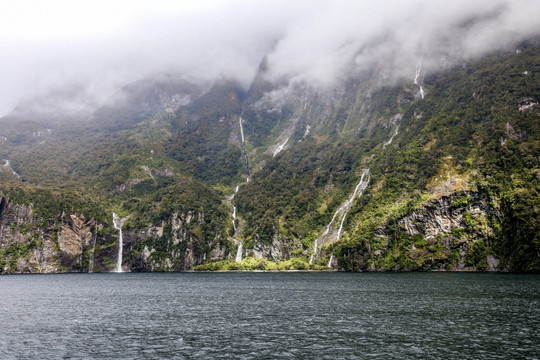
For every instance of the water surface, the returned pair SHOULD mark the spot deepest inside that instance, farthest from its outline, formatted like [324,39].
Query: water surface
[270,315]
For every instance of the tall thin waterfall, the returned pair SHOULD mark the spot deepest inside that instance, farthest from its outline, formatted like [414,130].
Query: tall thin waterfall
[246,160]
[92,259]
[341,212]
[241,129]
[416,76]
[248,172]
[118,223]
[233,215]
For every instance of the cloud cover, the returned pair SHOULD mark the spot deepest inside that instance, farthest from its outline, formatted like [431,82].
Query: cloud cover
[94,48]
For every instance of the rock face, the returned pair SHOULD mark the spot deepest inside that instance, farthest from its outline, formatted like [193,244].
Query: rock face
[75,243]
[456,225]
[174,244]
[280,249]
[28,244]
[527,105]
[445,215]
[75,233]
[21,248]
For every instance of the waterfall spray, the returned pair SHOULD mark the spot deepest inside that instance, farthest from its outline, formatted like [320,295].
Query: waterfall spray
[118,223]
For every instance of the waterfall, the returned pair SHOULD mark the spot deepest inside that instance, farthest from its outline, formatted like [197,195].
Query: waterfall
[341,225]
[342,211]
[233,215]
[239,252]
[306,133]
[418,71]
[7,164]
[305,98]
[92,256]
[389,141]
[345,208]
[234,218]
[280,147]
[314,252]
[248,171]
[246,160]
[330,261]
[118,223]
[241,129]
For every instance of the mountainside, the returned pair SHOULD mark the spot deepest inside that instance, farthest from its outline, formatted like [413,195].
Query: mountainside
[438,172]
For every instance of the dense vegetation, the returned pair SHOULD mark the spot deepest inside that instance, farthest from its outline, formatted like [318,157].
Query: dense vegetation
[470,147]
[469,126]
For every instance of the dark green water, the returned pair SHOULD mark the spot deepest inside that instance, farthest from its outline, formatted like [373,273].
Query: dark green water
[270,316]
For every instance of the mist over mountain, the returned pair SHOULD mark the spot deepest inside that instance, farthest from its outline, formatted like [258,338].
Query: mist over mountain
[359,136]
[318,42]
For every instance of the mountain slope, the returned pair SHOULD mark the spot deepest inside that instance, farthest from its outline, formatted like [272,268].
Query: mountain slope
[475,135]
[438,172]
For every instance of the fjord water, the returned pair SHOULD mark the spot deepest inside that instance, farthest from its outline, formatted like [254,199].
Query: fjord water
[270,315]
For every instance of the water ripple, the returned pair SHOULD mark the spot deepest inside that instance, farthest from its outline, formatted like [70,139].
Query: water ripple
[270,316]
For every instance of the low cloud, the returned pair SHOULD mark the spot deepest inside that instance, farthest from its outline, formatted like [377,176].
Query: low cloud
[319,42]
[397,36]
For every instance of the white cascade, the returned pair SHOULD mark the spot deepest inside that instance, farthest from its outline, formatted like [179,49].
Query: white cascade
[241,129]
[306,133]
[7,164]
[234,218]
[360,187]
[280,147]
[342,212]
[344,209]
[314,251]
[239,252]
[92,255]
[233,215]
[417,75]
[246,160]
[234,193]
[118,223]
[389,141]
[330,261]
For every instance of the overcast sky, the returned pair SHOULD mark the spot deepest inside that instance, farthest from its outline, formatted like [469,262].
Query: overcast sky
[98,46]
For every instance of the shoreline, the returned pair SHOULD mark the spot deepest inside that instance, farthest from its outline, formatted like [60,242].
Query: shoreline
[273,271]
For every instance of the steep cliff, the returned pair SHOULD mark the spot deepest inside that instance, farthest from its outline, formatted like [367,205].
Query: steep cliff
[435,172]
[43,233]
[27,245]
